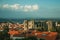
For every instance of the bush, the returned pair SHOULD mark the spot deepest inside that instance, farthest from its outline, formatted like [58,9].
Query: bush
[28,38]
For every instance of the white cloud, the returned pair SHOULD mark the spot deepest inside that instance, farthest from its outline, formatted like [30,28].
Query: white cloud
[35,7]
[15,6]
[5,6]
[25,8]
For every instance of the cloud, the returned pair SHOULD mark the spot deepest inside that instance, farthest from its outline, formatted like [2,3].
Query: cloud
[5,6]
[15,6]
[35,7]
[28,6]
[25,8]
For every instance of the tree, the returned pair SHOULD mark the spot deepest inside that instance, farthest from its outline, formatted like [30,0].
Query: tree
[5,33]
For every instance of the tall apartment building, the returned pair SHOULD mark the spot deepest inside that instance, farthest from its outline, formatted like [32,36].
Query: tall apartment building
[40,25]
[28,24]
[31,24]
[36,24]
[25,24]
[49,23]
[58,26]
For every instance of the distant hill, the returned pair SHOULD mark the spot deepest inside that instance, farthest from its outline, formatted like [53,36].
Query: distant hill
[21,20]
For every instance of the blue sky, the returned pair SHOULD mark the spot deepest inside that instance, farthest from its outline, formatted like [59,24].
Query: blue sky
[29,8]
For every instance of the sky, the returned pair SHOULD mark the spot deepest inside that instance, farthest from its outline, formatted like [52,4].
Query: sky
[29,8]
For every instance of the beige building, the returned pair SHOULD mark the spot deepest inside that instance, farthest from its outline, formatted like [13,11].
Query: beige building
[28,24]
[49,23]
[25,24]
[31,24]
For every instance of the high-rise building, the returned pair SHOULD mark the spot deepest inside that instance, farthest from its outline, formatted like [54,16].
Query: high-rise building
[31,24]
[40,25]
[58,26]
[49,23]
[28,24]
[36,24]
[25,24]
